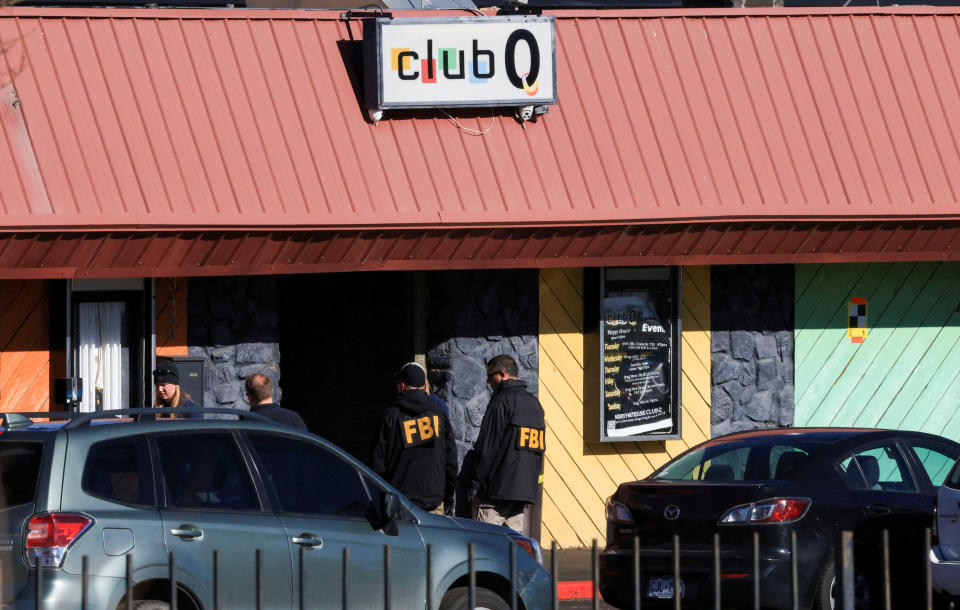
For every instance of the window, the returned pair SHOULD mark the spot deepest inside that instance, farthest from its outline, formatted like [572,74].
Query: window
[308,478]
[19,472]
[205,470]
[639,337]
[880,468]
[119,470]
[755,459]
[936,460]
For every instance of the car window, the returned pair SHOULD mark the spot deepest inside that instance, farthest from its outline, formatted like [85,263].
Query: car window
[19,472]
[119,470]
[309,478]
[205,470]
[742,460]
[953,479]
[937,460]
[878,468]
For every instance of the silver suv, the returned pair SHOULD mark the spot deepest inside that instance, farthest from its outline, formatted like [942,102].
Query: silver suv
[243,514]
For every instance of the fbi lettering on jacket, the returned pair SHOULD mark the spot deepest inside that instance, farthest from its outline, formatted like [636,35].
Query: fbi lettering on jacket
[419,430]
[530,438]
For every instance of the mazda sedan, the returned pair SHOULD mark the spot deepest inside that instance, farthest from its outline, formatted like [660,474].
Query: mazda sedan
[815,482]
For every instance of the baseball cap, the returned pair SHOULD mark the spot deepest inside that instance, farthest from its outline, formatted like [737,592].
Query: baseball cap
[412,374]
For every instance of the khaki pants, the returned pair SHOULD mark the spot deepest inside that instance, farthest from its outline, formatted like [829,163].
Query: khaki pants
[510,514]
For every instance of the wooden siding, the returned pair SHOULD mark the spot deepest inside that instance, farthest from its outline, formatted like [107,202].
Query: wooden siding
[579,475]
[25,357]
[906,373]
[172,317]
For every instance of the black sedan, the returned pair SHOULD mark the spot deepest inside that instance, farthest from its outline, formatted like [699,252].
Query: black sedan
[817,482]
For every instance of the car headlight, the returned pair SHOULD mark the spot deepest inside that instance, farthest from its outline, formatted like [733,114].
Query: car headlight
[529,545]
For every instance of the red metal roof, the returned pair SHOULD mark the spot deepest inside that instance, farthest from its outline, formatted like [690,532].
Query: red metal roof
[211,253]
[241,119]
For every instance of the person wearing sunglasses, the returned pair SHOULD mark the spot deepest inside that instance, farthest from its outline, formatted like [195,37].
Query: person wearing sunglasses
[504,473]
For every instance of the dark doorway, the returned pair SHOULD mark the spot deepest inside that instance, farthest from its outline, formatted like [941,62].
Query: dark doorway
[342,336]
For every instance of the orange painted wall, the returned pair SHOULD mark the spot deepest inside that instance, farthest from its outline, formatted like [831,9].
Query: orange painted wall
[26,375]
[172,317]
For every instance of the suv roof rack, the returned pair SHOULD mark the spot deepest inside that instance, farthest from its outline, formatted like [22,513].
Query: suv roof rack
[12,421]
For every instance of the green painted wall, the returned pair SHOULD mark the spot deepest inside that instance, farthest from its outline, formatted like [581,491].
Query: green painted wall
[906,373]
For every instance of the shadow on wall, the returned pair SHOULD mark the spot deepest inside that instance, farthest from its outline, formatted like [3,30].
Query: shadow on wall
[31,343]
[234,325]
[752,347]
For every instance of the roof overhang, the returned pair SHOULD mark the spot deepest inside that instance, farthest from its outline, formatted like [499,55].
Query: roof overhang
[214,253]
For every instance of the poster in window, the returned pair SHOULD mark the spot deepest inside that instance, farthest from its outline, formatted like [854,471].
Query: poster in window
[636,341]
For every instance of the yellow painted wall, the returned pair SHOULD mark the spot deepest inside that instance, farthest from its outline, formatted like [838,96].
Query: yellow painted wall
[579,475]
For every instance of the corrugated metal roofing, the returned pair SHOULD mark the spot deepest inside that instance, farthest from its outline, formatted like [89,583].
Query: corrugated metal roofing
[192,253]
[137,119]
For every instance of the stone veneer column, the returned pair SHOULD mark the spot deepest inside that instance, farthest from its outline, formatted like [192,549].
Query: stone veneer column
[752,309]
[473,316]
[233,323]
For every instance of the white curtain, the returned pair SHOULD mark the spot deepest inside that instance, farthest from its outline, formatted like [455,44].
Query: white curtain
[103,357]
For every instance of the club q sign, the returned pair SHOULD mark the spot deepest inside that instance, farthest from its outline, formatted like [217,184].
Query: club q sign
[459,62]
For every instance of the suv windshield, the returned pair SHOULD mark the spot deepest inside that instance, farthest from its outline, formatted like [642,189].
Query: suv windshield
[19,472]
[745,460]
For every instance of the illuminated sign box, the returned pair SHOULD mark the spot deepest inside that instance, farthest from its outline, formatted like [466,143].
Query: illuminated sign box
[459,62]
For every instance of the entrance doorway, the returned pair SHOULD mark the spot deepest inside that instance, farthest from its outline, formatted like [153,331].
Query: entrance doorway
[109,350]
[342,337]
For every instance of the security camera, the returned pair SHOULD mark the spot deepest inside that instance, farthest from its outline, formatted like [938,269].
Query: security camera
[525,113]
[376,115]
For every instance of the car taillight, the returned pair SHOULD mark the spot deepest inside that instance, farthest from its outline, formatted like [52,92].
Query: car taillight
[617,512]
[529,545]
[50,535]
[774,510]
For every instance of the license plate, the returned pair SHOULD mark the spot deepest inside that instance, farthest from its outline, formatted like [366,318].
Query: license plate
[662,588]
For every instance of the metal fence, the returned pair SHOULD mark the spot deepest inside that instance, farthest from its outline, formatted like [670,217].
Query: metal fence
[846,576]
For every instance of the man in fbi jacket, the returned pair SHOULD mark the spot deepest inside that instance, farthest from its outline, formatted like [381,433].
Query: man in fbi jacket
[509,449]
[415,450]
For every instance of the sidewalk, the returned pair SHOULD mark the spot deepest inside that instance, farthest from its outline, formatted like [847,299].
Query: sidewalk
[573,573]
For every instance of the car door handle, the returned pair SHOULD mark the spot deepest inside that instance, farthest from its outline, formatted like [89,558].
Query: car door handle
[187,532]
[952,517]
[878,509]
[307,540]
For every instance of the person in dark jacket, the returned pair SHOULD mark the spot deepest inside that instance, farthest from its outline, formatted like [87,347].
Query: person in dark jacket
[166,381]
[259,389]
[508,452]
[414,449]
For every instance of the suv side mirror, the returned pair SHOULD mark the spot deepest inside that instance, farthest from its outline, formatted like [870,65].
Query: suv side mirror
[389,513]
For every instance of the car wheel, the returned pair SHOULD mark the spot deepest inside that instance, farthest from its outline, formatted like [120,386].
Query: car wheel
[149,604]
[828,593]
[458,599]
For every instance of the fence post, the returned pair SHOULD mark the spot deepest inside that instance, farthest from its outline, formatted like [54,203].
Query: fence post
[472,587]
[84,567]
[927,570]
[128,578]
[794,577]
[346,562]
[595,574]
[676,572]
[554,567]
[756,570]
[513,574]
[636,572]
[716,571]
[887,597]
[387,561]
[173,580]
[846,554]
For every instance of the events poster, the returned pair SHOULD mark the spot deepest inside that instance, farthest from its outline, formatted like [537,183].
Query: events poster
[636,367]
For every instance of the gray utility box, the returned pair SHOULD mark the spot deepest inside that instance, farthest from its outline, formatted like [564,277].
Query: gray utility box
[191,375]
